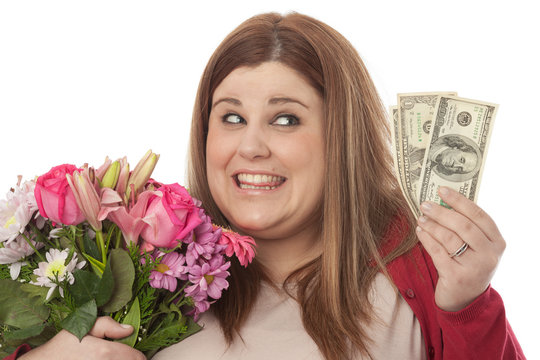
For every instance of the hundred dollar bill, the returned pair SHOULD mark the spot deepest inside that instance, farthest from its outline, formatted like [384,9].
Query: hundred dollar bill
[414,121]
[457,148]
[398,161]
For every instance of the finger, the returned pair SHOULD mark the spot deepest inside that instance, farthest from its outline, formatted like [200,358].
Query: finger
[459,224]
[472,211]
[447,238]
[109,350]
[438,253]
[105,326]
[65,345]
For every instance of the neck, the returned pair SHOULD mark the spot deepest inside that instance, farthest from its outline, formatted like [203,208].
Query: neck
[282,256]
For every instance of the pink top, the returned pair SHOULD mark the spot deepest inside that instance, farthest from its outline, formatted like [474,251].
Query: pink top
[274,330]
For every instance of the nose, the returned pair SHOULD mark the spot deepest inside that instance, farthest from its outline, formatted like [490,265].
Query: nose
[254,143]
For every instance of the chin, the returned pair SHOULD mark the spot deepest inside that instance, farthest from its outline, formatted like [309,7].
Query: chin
[253,226]
[249,225]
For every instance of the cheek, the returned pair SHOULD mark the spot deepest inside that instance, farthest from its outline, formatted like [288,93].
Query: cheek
[305,156]
[218,151]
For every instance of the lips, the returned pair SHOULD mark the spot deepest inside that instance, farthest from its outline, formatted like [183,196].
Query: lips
[258,181]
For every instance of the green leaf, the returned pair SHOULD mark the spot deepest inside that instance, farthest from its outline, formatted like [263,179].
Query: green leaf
[173,330]
[106,286]
[81,321]
[97,265]
[18,308]
[24,333]
[35,290]
[192,328]
[123,273]
[90,247]
[165,336]
[85,287]
[133,318]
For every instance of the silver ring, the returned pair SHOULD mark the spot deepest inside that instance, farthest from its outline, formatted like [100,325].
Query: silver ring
[459,251]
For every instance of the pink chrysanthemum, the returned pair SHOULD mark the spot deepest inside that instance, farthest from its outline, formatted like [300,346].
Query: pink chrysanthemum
[168,271]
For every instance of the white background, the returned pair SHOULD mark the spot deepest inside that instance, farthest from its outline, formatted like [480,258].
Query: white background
[82,80]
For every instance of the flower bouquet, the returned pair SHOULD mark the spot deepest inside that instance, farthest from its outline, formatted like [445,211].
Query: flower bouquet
[78,243]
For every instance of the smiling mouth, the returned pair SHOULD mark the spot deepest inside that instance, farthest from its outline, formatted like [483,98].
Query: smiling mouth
[258,181]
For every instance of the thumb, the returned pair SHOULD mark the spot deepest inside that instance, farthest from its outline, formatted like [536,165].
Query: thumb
[105,326]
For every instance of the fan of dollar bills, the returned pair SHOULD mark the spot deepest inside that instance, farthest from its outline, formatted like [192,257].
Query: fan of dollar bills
[439,139]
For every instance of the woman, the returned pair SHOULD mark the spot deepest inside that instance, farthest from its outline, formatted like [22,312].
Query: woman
[289,144]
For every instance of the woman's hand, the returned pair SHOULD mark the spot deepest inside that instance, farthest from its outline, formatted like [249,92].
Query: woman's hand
[443,232]
[93,346]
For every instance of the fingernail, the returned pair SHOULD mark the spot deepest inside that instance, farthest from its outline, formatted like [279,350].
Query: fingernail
[443,190]
[126,326]
[418,229]
[426,206]
[422,219]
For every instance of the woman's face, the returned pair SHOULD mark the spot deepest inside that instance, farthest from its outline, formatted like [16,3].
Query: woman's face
[265,151]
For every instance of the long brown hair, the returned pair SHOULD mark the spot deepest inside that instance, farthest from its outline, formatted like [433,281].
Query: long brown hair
[361,195]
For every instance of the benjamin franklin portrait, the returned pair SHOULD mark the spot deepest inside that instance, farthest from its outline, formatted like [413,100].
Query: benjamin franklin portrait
[455,158]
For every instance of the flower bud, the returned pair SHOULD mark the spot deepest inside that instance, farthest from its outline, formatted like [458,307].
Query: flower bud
[123,178]
[142,173]
[111,175]
[86,196]
[100,172]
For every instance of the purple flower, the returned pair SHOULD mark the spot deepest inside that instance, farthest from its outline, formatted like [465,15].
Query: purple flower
[201,304]
[166,274]
[208,279]
[203,241]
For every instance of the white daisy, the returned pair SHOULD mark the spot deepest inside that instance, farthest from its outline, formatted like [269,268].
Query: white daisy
[55,270]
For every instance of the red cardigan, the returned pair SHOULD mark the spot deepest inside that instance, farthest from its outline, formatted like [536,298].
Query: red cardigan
[480,331]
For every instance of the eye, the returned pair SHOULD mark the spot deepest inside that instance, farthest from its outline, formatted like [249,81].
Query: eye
[233,119]
[462,160]
[286,120]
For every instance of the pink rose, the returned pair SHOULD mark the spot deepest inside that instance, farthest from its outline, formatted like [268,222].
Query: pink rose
[55,198]
[171,215]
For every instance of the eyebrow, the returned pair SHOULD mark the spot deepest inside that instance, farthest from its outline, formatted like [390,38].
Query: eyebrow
[284,100]
[272,101]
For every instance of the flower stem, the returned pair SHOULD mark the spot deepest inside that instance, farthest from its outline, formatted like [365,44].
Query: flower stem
[177,294]
[118,237]
[101,246]
[33,247]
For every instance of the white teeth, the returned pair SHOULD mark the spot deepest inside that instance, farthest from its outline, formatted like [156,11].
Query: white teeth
[259,179]
[243,186]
